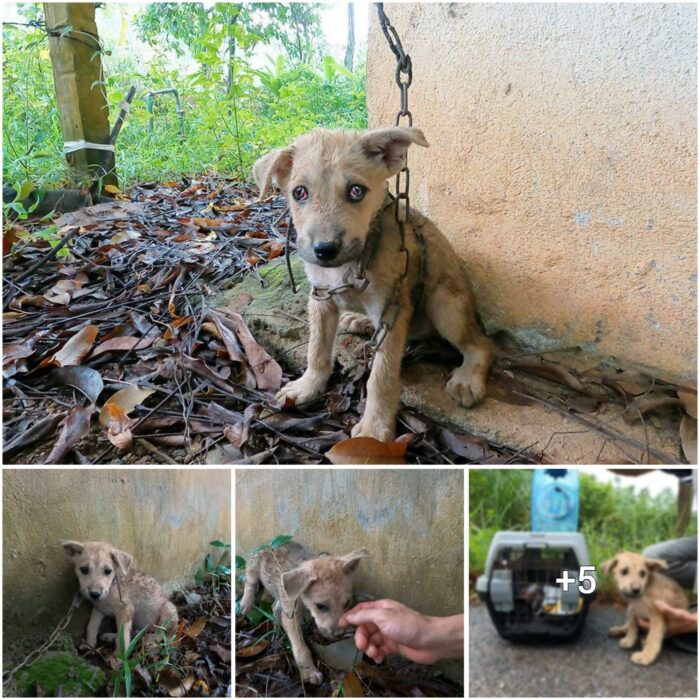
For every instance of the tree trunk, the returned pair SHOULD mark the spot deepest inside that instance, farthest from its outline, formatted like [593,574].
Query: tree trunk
[350,50]
[80,96]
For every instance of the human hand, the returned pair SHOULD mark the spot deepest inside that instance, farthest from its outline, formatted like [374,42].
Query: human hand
[678,621]
[386,627]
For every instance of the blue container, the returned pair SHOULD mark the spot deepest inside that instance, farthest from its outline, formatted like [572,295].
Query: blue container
[555,500]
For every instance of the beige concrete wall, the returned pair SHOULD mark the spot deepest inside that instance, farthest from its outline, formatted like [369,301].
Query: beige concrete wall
[411,521]
[165,518]
[562,165]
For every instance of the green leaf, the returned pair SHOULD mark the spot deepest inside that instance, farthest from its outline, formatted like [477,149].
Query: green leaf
[280,540]
[209,564]
[199,577]
[240,562]
[223,570]
[24,190]
[219,543]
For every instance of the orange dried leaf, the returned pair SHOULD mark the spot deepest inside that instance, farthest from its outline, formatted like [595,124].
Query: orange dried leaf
[253,649]
[73,352]
[196,627]
[123,402]
[366,450]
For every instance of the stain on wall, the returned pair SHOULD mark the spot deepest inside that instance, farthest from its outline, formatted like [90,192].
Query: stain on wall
[562,165]
[411,521]
[165,518]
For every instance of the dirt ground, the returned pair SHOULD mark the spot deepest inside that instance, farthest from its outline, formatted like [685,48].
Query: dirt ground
[592,666]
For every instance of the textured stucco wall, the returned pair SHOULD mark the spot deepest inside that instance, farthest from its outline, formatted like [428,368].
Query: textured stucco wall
[411,521]
[165,518]
[562,165]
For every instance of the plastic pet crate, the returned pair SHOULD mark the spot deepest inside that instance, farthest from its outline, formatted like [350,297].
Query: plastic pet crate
[520,590]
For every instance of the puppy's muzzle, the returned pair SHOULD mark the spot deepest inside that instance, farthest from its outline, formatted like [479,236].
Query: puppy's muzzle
[326,251]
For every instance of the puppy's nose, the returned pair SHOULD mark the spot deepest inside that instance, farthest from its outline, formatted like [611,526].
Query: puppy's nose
[326,251]
[95,595]
[636,590]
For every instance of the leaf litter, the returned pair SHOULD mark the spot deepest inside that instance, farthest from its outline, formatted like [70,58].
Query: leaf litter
[265,667]
[128,310]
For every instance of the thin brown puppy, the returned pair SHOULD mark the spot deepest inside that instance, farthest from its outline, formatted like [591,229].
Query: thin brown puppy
[298,579]
[336,186]
[116,590]
[641,585]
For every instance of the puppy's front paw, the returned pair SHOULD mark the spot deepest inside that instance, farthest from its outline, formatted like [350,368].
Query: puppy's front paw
[351,322]
[617,631]
[310,674]
[373,428]
[466,387]
[302,390]
[641,658]
[627,642]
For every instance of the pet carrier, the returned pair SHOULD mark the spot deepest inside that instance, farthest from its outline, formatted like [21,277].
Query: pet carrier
[519,585]
[554,503]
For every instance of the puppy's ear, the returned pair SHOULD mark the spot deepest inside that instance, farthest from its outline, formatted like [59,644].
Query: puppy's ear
[273,170]
[388,147]
[654,564]
[296,581]
[608,566]
[72,548]
[350,561]
[122,560]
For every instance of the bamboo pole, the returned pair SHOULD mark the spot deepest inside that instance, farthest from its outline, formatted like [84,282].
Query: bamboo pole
[77,72]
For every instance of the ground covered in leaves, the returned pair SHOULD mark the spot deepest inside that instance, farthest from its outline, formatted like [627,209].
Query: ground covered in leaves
[196,662]
[113,354]
[265,668]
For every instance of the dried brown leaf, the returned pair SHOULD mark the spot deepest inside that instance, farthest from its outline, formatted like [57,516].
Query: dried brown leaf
[76,349]
[352,687]
[689,439]
[85,379]
[122,343]
[366,450]
[75,428]
[253,649]
[268,374]
[196,628]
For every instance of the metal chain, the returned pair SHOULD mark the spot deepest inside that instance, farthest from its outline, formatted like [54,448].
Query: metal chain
[404,66]
[38,652]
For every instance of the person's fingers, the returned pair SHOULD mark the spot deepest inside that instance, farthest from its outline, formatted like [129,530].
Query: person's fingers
[361,638]
[360,617]
[374,653]
[663,607]
[384,603]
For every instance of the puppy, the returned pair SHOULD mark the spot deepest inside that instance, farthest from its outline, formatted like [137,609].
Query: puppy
[116,590]
[641,585]
[336,186]
[297,578]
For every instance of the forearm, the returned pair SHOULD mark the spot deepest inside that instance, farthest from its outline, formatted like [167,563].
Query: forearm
[445,636]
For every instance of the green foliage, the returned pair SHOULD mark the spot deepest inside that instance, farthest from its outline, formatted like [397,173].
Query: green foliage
[234,112]
[124,655]
[214,571]
[612,518]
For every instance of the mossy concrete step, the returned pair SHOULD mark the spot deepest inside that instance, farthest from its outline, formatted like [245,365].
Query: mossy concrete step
[277,317]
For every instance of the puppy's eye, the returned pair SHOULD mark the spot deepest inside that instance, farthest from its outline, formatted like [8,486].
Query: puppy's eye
[642,573]
[322,607]
[624,572]
[84,569]
[356,193]
[108,571]
[300,194]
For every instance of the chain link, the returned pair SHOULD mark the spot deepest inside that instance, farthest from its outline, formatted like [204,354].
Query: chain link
[39,651]
[404,66]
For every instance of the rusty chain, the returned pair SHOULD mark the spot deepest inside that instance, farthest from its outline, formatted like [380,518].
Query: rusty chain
[404,78]
[39,651]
